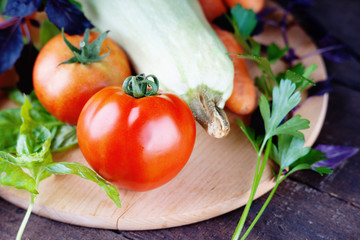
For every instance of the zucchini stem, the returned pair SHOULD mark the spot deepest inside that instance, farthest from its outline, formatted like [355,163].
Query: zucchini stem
[212,118]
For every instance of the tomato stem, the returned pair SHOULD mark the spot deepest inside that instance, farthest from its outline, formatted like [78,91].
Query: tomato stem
[88,52]
[141,86]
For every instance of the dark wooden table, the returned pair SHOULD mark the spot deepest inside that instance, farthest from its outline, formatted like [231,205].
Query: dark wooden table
[306,206]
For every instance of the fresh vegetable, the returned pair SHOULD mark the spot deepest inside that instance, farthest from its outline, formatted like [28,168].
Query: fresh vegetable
[33,153]
[65,77]
[255,5]
[138,141]
[243,97]
[196,67]
[213,8]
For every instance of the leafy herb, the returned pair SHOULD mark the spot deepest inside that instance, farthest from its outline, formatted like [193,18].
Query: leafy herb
[33,152]
[244,19]
[63,136]
[63,13]
[274,53]
[335,154]
[20,8]
[289,152]
[11,43]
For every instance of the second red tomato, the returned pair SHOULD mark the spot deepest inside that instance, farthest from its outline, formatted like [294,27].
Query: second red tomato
[137,144]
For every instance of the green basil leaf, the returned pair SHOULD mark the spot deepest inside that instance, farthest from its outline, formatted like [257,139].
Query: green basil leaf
[62,168]
[10,122]
[63,135]
[32,135]
[47,31]
[14,176]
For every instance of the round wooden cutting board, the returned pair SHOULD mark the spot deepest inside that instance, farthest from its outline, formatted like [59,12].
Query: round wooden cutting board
[216,180]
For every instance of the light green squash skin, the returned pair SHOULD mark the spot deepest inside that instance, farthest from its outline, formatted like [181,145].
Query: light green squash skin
[172,40]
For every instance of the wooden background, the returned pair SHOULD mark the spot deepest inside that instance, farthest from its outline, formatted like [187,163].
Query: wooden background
[306,206]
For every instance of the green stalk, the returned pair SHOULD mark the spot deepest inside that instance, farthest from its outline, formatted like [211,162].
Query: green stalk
[258,174]
[26,217]
[278,181]
[254,186]
[264,162]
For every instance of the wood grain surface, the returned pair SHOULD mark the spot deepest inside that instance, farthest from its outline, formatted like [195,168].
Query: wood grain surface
[306,206]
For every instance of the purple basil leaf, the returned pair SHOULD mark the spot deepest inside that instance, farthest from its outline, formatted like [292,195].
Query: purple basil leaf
[67,15]
[11,43]
[320,88]
[21,8]
[24,67]
[335,154]
[333,50]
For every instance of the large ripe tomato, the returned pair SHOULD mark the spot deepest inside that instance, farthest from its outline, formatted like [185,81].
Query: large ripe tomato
[137,144]
[64,89]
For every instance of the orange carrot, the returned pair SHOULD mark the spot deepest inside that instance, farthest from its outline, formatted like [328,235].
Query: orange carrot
[243,97]
[212,8]
[255,5]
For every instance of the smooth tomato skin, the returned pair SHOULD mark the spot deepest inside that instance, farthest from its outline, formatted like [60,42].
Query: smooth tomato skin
[137,144]
[64,89]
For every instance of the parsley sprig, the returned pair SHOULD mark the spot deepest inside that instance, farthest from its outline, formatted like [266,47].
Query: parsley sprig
[288,151]
[283,142]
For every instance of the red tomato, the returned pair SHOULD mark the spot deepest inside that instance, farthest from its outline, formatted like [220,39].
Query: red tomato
[137,144]
[64,89]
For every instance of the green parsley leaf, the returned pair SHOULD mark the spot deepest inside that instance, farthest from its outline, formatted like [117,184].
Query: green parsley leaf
[244,19]
[275,53]
[284,100]
[289,150]
[250,134]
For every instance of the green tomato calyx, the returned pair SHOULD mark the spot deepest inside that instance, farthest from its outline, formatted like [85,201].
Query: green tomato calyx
[88,52]
[141,86]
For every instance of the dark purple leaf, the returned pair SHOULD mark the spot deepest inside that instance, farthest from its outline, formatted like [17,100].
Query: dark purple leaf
[21,8]
[24,67]
[333,50]
[67,15]
[335,154]
[320,88]
[11,43]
